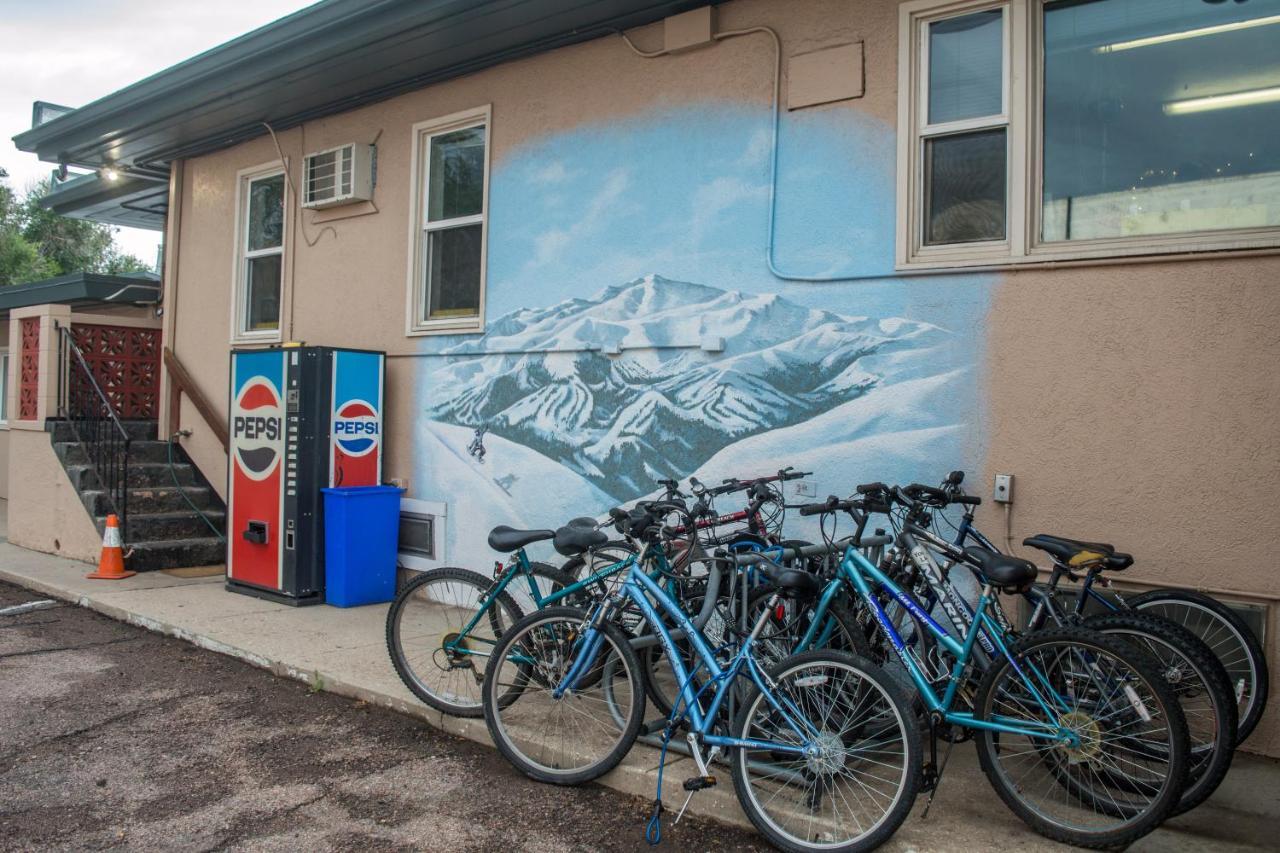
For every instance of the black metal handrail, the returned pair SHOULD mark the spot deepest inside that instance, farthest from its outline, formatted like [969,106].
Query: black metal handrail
[96,425]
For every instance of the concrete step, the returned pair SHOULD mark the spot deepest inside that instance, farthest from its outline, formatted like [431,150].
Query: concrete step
[75,453]
[169,526]
[176,554]
[143,475]
[137,430]
[158,499]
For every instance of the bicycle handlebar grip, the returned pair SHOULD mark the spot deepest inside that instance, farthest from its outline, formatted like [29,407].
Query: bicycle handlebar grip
[874,541]
[868,488]
[919,492]
[971,500]
[814,509]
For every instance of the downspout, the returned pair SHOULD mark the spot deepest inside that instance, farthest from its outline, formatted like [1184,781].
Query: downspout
[169,274]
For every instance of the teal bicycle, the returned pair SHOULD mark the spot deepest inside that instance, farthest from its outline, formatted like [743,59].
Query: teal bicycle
[1078,733]
[825,751]
[443,625]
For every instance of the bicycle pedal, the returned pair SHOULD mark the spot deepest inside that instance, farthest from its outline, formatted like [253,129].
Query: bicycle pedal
[698,783]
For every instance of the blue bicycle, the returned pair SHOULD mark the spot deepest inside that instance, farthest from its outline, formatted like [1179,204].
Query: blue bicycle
[825,750]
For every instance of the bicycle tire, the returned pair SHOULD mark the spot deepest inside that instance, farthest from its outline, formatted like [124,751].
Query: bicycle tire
[1255,688]
[401,659]
[895,715]
[1189,665]
[1135,822]
[538,731]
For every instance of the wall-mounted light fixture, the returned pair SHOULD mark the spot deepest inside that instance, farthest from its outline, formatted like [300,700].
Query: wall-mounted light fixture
[1221,102]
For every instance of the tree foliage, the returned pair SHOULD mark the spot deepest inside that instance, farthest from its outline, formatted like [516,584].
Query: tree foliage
[36,243]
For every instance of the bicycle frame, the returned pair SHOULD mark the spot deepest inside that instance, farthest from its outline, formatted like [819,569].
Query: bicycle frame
[521,566]
[1042,601]
[860,572]
[638,588]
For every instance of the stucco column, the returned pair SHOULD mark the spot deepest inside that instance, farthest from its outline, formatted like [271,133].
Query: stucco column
[40,354]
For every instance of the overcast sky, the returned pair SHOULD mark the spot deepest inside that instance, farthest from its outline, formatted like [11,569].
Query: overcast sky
[72,52]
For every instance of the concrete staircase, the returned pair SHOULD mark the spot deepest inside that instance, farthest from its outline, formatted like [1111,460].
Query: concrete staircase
[164,532]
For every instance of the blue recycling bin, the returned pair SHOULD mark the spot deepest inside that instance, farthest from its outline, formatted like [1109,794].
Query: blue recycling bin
[361,530]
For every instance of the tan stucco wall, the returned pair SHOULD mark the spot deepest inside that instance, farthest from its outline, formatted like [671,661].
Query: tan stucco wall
[47,515]
[1138,405]
[1134,403]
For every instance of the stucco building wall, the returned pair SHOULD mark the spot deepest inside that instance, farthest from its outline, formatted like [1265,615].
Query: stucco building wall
[1134,402]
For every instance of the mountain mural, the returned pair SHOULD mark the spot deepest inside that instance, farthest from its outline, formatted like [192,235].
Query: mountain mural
[664,407]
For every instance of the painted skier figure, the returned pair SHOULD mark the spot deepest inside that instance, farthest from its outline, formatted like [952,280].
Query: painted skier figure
[476,448]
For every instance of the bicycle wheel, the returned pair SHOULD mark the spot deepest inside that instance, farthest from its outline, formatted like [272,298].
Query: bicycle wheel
[1124,771]
[437,659]
[859,786]
[1228,636]
[1200,683]
[583,734]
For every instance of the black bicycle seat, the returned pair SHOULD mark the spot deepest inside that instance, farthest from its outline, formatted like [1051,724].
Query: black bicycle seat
[792,583]
[508,539]
[572,539]
[1004,571]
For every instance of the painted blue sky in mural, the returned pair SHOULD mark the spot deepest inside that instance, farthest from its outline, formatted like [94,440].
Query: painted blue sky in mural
[676,202]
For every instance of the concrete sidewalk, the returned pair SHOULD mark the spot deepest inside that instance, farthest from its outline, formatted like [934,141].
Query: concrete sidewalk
[344,651]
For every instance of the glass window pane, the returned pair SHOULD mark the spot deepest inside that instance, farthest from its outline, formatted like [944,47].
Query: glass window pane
[266,213]
[453,272]
[1160,118]
[262,293]
[456,174]
[966,67]
[4,387]
[964,187]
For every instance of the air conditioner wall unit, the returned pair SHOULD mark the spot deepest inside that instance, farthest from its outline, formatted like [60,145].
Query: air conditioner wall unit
[340,175]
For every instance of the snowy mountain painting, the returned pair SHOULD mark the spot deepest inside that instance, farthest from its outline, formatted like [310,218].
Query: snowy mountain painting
[793,385]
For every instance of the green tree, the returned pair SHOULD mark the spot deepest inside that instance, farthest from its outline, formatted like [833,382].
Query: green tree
[36,243]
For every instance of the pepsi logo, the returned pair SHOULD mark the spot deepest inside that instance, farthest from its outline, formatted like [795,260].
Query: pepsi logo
[257,429]
[356,428]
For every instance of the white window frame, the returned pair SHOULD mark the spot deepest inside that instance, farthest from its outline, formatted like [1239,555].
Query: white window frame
[1024,63]
[4,387]
[240,334]
[416,323]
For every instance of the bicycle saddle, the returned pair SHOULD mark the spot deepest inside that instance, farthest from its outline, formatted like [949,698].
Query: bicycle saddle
[1074,552]
[792,583]
[508,539]
[572,539]
[1011,573]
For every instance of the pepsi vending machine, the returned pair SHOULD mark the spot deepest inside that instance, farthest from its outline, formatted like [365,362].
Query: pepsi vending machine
[302,418]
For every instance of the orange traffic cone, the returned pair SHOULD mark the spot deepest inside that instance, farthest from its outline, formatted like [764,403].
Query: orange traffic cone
[111,563]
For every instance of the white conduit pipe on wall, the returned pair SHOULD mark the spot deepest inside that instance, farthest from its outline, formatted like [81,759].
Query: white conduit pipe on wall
[773,166]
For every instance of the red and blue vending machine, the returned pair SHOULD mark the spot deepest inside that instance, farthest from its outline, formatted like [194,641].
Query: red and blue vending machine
[302,418]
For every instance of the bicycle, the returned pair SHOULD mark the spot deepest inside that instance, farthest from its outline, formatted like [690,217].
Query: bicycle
[826,754]
[1223,631]
[1187,664]
[1077,732]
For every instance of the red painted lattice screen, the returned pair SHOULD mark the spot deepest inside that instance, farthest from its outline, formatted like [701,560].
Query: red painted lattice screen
[29,370]
[126,363]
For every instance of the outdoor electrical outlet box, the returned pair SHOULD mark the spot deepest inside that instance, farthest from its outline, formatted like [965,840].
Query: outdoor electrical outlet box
[688,30]
[1004,488]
